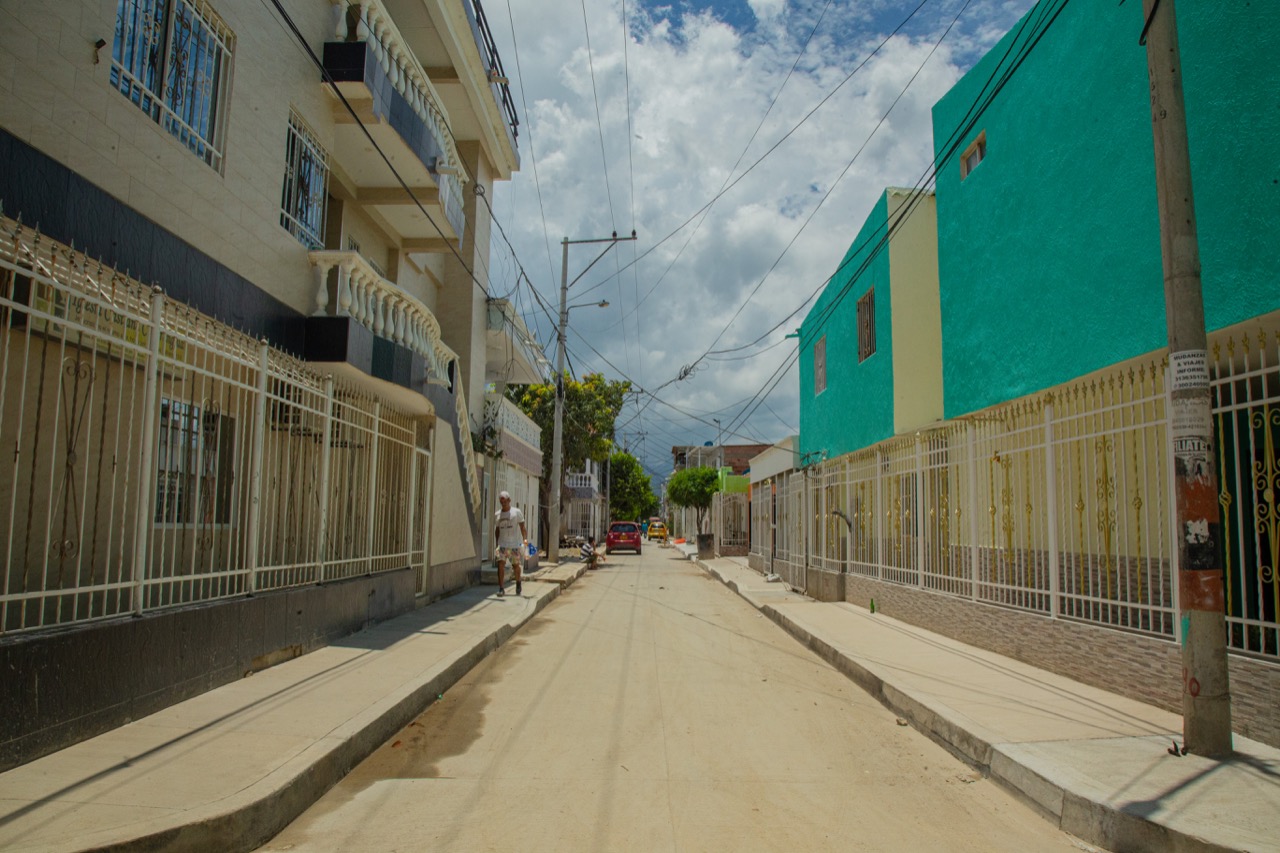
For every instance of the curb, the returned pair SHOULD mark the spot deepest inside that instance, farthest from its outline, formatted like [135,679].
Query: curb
[1093,822]
[247,826]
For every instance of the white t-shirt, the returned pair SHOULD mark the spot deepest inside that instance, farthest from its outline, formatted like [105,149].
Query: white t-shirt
[508,524]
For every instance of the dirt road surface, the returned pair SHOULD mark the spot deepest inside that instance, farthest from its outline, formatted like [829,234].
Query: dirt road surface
[650,709]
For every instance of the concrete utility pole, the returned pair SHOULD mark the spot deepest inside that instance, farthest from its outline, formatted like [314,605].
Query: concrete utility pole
[1206,697]
[557,438]
[719,446]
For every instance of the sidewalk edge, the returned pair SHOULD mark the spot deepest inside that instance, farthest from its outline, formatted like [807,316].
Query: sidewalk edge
[1091,821]
[246,826]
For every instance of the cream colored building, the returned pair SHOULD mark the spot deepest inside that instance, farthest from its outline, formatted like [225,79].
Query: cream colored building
[243,268]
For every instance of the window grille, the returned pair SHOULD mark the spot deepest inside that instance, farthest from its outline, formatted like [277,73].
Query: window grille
[172,59]
[306,185]
[194,465]
[820,365]
[867,325]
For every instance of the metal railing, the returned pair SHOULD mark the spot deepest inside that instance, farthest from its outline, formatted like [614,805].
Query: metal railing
[729,522]
[161,458]
[1059,504]
[493,63]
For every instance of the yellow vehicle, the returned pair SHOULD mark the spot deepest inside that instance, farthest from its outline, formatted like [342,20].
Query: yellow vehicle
[657,531]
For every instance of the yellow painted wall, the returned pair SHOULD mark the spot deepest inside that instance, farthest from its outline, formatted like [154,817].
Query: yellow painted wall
[917,321]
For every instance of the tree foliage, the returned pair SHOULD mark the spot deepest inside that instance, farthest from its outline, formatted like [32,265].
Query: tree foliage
[590,409]
[630,491]
[693,487]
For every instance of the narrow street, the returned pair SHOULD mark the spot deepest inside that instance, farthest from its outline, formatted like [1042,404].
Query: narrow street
[649,708]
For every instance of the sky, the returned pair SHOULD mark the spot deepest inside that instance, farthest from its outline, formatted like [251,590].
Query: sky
[745,142]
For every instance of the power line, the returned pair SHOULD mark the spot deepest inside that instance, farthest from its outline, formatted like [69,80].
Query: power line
[768,110]
[831,189]
[781,140]
[599,124]
[958,135]
[328,78]
[546,236]
[890,228]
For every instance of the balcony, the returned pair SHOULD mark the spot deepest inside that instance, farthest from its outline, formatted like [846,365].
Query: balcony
[360,293]
[582,486]
[498,84]
[515,435]
[379,76]
[512,356]
[451,39]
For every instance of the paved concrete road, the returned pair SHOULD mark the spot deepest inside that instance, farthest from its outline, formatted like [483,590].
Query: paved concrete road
[649,708]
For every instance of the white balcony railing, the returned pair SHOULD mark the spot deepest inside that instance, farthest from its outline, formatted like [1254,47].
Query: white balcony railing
[512,421]
[581,481]
[381,307]
[376,28]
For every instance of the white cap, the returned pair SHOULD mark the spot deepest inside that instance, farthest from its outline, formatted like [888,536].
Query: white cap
[504,496]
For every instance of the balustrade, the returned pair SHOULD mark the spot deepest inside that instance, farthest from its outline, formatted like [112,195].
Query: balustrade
[381,307]
[376,28]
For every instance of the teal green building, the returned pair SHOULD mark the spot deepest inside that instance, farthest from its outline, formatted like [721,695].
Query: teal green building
[870,348]
[1048,234]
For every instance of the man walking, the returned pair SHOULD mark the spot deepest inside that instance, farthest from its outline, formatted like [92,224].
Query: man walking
[512,538]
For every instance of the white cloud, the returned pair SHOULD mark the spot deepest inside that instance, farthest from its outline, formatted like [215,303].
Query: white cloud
[767,10]
[697,90]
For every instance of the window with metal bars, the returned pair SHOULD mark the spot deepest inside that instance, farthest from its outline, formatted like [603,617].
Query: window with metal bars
[194,465]
[306,185]
[867,325]
[820,365]
[172,59]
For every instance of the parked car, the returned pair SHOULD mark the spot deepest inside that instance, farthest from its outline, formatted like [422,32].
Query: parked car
[657,531]
[622,535]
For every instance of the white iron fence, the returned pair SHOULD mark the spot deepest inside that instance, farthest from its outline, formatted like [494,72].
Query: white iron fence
[729,522]
[159,457]
[1059,505]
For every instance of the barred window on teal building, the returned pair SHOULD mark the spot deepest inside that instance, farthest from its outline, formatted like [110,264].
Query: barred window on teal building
[820,365]
[867,325]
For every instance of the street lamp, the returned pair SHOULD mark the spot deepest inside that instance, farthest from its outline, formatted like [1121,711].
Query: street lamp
[557,442]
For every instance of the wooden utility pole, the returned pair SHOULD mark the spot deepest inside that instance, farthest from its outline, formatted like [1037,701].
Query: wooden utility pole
[1206,697]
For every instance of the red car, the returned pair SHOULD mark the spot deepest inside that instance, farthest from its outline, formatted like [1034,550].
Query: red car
[624,536]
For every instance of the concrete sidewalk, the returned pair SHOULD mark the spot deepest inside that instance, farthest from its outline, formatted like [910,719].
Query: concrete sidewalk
[1097,764]
[225,771]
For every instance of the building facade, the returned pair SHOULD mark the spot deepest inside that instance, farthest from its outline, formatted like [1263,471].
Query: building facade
[1037,518]
[246,334]
[871,347]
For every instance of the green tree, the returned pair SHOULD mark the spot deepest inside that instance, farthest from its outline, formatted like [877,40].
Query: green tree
[630,491]
[693,487]
[590,409]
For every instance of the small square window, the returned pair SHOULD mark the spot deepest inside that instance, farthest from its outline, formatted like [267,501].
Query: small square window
[820,365]
[973,155]
[867,325]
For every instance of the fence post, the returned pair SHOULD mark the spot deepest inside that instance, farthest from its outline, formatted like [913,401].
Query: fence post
[146,464]
[412,508]
[920,526]
[429,515]
[255,469]
[975,557]
[879,517]
[326,452]
[373,482]
[1051,505]
[1171,479]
